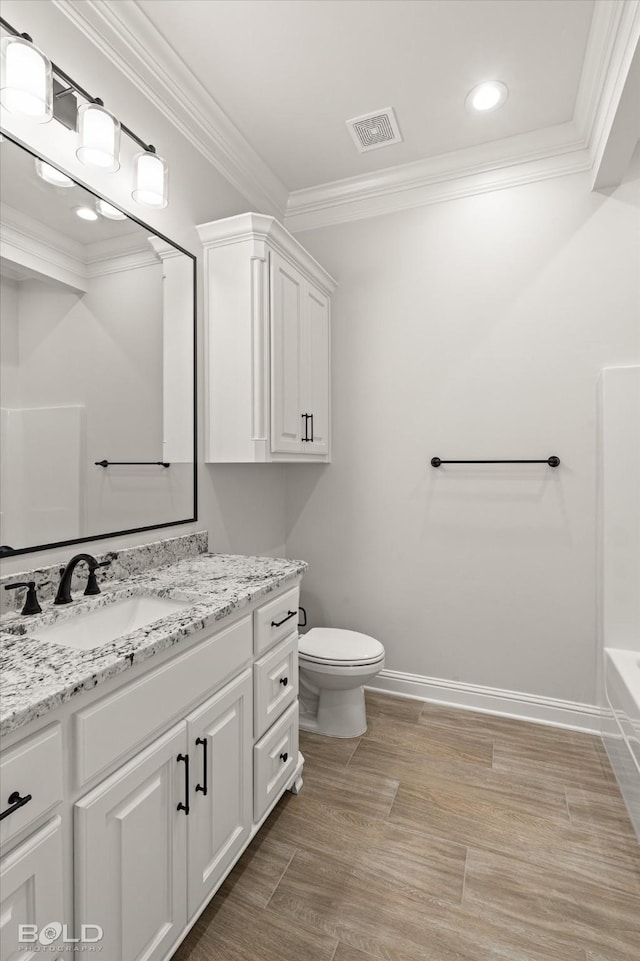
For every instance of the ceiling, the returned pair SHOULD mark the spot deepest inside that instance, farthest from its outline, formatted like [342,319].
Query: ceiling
[289,74]
[262,88]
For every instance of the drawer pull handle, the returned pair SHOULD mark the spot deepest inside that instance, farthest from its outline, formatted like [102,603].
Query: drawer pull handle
[290,614]
[203,787]
[284,757]
[184,807]
[284,681]
[15,802]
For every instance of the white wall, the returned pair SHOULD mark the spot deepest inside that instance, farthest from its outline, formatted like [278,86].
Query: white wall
[242,507]
[471,329]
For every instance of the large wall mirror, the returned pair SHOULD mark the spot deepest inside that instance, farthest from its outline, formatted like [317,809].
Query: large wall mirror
[97,388]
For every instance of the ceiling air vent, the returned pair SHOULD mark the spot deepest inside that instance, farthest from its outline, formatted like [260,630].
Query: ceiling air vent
[375,130]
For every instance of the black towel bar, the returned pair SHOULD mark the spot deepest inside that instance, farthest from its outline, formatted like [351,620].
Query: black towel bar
[551,461]
[111,463]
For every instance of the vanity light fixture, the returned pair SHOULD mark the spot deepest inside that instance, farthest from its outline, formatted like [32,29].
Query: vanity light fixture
[487,96]
[98,137]
[26,86]
[85,213]
[111,213]
[52,175]
[150,175]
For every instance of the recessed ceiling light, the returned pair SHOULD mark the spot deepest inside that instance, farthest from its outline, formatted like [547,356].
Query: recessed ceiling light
[85,213]
[112,213]
[52,175]
[487,96]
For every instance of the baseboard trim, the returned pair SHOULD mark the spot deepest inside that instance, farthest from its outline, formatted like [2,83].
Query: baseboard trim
[489,700]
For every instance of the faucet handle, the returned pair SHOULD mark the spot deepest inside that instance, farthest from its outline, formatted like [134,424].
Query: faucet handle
[92,582]
[31,605]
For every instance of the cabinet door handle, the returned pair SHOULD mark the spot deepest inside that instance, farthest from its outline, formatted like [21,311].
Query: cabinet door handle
[305,417]
[284,681]
[203,787]
[184,807]
[311,438]
[284,757]
[15,801]
[290,614]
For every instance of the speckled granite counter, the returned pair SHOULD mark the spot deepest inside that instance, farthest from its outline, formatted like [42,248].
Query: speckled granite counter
[38,675]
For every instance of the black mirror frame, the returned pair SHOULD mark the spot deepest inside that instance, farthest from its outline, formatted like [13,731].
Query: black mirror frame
[149,527]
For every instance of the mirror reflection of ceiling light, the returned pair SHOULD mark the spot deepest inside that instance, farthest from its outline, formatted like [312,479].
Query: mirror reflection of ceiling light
[487,96]
[27,88]
[26,85]
[85,213]
[52,175]
[111,213]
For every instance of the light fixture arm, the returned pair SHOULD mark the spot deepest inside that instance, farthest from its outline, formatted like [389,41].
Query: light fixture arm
[73,86]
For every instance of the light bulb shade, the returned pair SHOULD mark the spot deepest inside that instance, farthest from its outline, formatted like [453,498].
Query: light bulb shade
[150,180]
[108,211]
[26,85]
[52,175]
[98,137]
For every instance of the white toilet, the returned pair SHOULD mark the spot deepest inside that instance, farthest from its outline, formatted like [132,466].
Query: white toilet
[334,665]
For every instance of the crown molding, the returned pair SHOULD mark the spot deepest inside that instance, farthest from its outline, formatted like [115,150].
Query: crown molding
[264,229]
[126,36]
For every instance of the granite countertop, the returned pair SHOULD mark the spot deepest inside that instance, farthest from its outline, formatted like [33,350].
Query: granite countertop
[39,675]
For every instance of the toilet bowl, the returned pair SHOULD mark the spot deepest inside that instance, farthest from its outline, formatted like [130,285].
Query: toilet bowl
[334,666]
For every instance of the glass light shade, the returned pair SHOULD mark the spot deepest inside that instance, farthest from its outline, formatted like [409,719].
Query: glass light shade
[98,137]
[111,213]
[52,175]
[26,85]
[150,180]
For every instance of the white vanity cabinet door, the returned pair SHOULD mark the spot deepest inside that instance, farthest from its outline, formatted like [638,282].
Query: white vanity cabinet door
[31,885]
[315,368]
[287,305]
[220,745]
[130,853]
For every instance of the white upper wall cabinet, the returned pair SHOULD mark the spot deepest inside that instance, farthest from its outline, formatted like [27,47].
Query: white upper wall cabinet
[267,344]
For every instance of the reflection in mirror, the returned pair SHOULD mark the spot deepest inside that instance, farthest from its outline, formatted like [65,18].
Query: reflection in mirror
[97,355]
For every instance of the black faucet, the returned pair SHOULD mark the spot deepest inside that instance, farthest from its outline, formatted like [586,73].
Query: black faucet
[64,588]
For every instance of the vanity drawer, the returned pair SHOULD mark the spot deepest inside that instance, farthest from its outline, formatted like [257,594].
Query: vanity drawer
[111,727]
[275,758]
[33,767]
[275,683]
[276,620]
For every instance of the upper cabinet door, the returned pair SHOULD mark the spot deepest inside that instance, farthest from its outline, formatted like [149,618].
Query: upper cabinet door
[287,305]
[315,354]
[130,853]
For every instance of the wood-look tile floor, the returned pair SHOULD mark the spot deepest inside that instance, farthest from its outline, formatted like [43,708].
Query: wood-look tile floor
[440,835]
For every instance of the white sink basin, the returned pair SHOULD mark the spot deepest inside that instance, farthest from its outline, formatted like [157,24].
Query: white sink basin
[110,622]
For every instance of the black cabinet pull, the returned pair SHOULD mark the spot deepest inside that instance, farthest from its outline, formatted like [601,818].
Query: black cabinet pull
[203,787]
[311,438]
[284,757]
[15,801]
[284,681]
[184,807]
[305,417]
[290,614]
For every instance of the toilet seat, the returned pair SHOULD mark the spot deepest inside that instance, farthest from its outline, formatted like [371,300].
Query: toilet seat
[337,647]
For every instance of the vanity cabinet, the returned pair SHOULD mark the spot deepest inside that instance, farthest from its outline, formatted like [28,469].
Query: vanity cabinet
[153,840]
[267,344]
[146,792]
